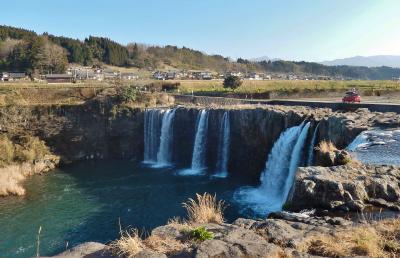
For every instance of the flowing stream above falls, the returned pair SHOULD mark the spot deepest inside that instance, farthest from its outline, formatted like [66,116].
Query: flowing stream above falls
[380,147]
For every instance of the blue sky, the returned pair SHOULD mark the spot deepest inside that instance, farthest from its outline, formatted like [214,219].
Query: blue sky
[312,30]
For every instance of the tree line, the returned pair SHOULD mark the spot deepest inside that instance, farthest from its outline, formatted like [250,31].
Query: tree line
[25,50]
[344,71]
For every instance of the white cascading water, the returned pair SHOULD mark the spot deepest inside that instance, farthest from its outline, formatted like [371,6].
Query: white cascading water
[152,119]
[199,148]
[277,179]
[310,157]
[164,154]
[296,160]
[359,142]
[223,147]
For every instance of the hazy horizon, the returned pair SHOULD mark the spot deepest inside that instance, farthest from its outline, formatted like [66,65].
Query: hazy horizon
[290,30]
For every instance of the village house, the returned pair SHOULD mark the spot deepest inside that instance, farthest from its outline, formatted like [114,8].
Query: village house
[83,74]
[255,76]
[59,78]
[158,75]
[12,76]
[129,76]
[173,75]
[110,74]
[238,74]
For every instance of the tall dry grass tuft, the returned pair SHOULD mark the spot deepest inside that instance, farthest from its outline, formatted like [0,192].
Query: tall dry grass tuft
[358,241]
[326,146]
[206,209]
[127,245]
[164,244]
[10,178]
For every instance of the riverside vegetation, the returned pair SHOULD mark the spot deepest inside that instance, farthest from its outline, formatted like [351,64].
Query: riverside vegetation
[20,157]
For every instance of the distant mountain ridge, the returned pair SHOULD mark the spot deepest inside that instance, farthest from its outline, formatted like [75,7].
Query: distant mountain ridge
[368,61]
[264,58]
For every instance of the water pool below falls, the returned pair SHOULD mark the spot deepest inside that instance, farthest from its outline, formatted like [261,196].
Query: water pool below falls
[84,202]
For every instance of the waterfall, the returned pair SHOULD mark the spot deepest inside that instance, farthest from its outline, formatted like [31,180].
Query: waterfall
[223,147]
[310,157]
[277,179]
[164,154]
[199,148]
[360,141]
[152,119]
[295,161]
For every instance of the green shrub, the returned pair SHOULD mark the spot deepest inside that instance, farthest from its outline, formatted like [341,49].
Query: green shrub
[129,94]
[232,82]
[29,149]
[170,86]
[201,234]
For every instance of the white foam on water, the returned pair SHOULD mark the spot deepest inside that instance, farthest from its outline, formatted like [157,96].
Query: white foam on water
[277,179]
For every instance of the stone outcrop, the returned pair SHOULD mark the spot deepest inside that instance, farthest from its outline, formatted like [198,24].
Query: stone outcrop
[332,158]
[347,188]
[89,250]
[282,236]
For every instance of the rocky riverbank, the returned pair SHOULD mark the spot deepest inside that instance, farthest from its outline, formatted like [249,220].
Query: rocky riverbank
[289,236]
[347,188]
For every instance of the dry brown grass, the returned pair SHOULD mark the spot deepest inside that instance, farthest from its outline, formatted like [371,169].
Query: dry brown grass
[326,146]
[11,176]
[164,244]
[10,179]
[177,221]
[17,162]
[381,239]
[206,209]
[360,241]
[390,234]
[128,244]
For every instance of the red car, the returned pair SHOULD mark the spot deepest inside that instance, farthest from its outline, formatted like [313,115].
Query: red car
[351,97]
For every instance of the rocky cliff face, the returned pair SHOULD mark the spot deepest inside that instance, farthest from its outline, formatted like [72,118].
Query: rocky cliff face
[253,133]
[92,130]
[101,129]
[347,188]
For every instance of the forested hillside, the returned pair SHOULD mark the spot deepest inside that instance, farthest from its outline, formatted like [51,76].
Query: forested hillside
[342,71]
[24,50]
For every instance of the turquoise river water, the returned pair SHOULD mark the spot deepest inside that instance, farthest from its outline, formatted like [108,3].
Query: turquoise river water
[85,201]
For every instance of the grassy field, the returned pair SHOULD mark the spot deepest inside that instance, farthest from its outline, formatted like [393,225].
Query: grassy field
[216,86]
[286,86]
